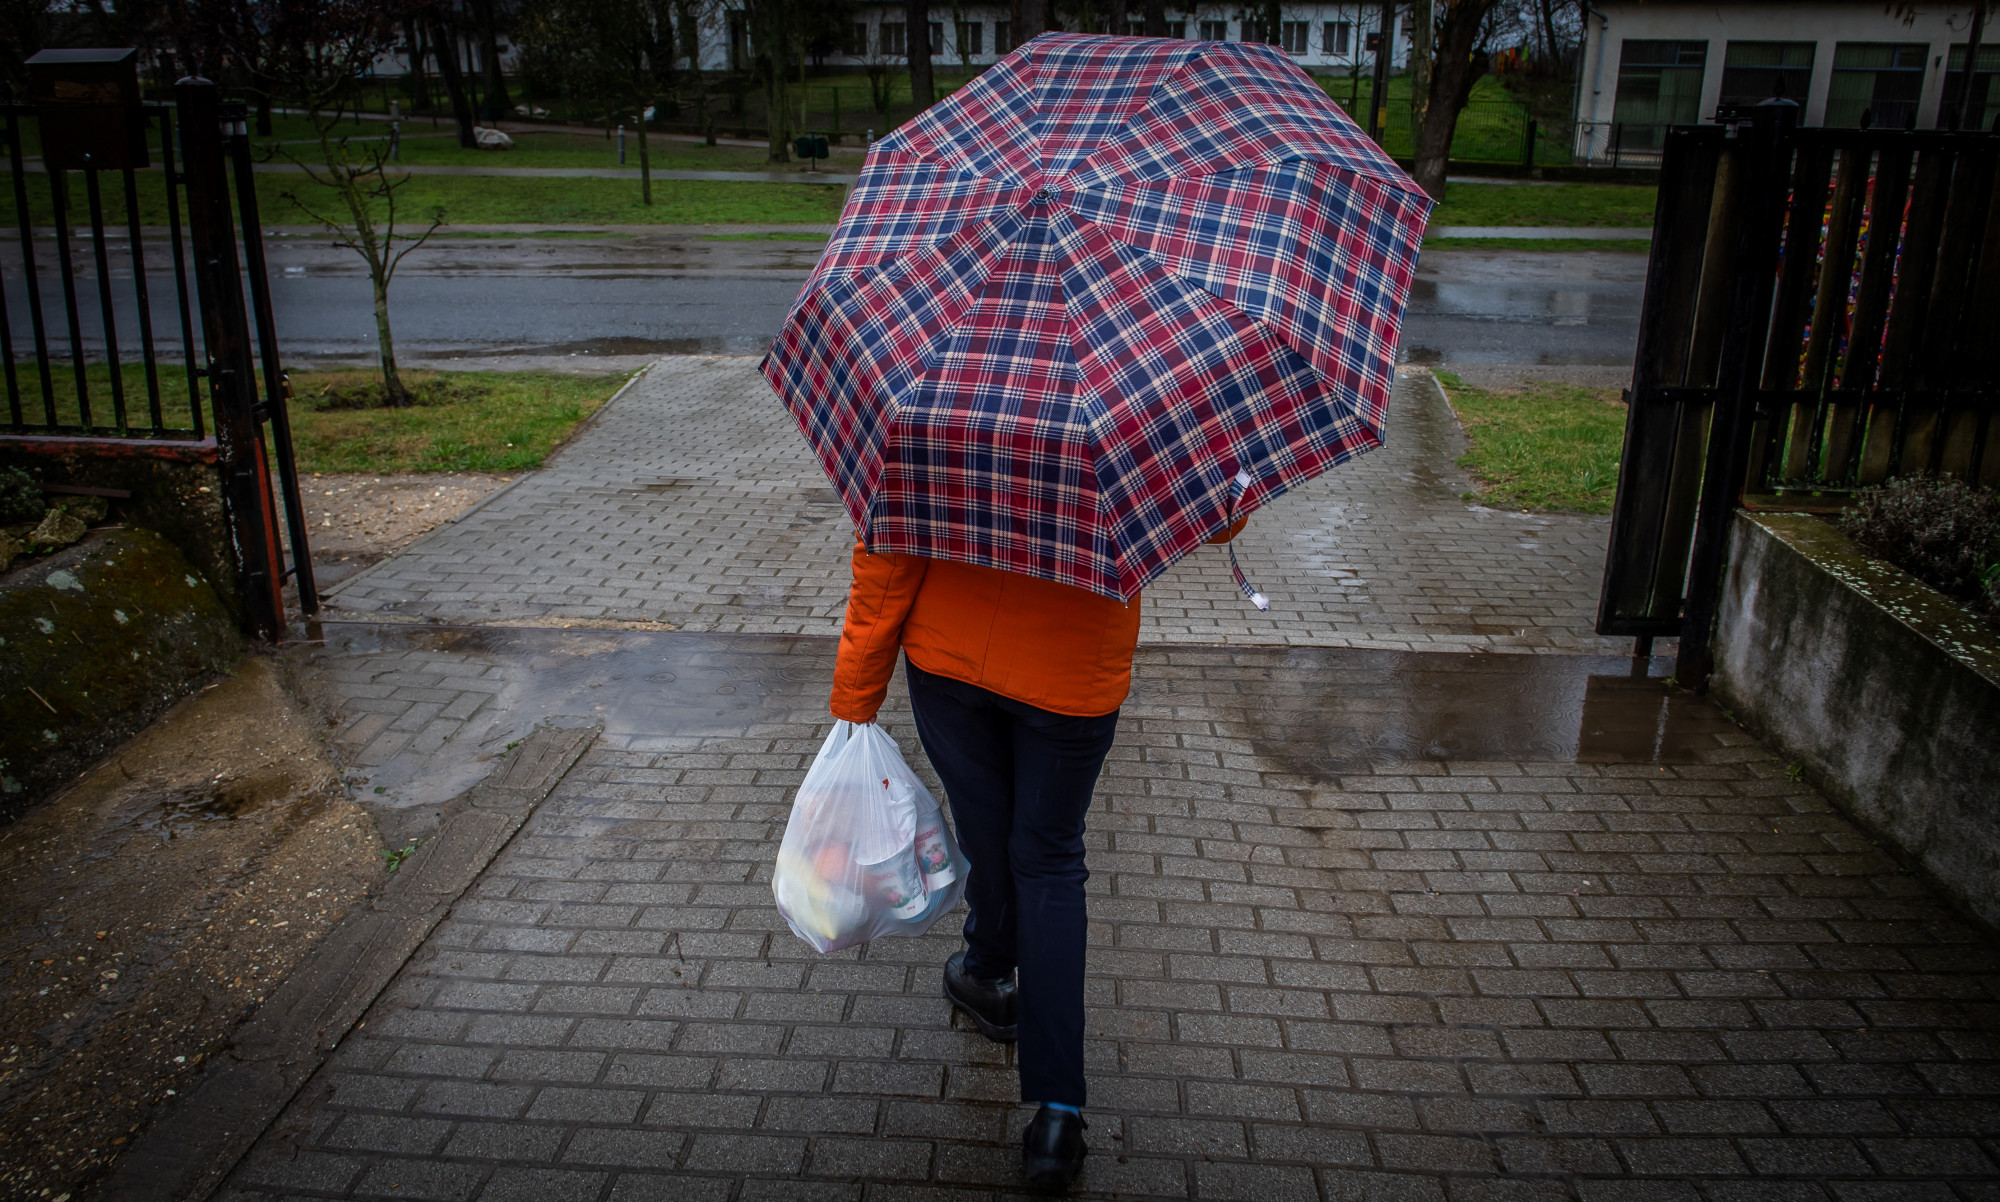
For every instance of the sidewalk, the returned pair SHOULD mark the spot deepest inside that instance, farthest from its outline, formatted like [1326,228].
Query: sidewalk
[739,532]
[1384,918]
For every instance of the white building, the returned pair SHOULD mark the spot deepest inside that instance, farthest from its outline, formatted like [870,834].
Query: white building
[1649,64]
[1323,38]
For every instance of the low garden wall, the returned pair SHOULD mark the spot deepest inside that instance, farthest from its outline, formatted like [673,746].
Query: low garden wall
[1884,692]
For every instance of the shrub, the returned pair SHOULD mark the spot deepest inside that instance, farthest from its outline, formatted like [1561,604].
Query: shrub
[1943,532]
[20,497]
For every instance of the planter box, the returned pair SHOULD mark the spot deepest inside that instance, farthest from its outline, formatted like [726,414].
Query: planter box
[1883,691]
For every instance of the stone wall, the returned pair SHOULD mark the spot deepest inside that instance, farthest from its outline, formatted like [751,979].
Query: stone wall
[175,487]
[1884,693]
[95,642]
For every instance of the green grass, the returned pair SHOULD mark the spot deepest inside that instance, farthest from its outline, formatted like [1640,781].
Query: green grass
[1530,245]
[503,200]
[561,149]
[173,385]
[1546,204]
[1548,448]
[472,421]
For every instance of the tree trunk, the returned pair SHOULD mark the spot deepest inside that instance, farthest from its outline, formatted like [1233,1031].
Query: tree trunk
[1423,59]
[393,392]
[690,46]
[770,43]
[444,44]
[917,46]
[420,80]
[498,103]
[1451,86]
[645,160]
[1153,17]
[1554,63]
[1035,17]
[263,113]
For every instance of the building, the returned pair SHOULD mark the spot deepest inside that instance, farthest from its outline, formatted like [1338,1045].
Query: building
[1323,38]
[1648,65]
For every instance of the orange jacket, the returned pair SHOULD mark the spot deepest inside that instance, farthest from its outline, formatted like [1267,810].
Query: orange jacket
[1048,645]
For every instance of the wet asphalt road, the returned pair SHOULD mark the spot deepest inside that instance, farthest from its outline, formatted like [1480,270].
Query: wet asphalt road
[663,291]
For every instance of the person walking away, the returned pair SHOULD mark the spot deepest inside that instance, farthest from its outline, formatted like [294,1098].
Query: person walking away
[1015,683]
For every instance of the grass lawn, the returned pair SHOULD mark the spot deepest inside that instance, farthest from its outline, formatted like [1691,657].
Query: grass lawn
[1546,204]
[562,149]
[497,200]
[1551,448]
[465,421]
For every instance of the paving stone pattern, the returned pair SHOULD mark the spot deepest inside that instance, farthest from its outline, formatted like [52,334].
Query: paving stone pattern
[737,530]
[1426,980]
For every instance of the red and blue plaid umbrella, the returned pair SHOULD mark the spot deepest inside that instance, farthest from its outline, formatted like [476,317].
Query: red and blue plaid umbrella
[1107,297]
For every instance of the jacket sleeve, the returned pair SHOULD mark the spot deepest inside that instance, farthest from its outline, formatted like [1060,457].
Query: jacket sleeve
[885,586]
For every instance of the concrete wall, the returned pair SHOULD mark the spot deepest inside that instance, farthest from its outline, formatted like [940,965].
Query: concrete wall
[1824,24]
[1884,692]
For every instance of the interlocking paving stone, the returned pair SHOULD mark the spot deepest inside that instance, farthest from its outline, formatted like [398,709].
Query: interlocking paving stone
[737,530]
[1340,947]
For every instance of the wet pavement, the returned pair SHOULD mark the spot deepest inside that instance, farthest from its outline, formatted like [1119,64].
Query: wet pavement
[1365,924]
[686,289]
[636,522]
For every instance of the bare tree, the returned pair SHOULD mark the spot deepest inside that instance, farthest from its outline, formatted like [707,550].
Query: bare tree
[1153,18]
[444,47]
[1459,62]
[617,53]
[498,103]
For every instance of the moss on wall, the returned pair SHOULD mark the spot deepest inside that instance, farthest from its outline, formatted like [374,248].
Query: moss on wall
[95,642]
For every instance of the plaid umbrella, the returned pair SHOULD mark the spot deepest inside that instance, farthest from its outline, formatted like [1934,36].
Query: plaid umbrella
[1107,297]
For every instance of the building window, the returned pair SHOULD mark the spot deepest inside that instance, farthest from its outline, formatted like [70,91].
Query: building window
[1293,37]
[1985,96]
[971,39]
[1003,36]
[1177,30]
[1373,42]
[1883,80]
[936,46]
[1215,31]
[1659,84]
[1334,36]
[856,45]
[893,42]
[1753,72]
[1134,28]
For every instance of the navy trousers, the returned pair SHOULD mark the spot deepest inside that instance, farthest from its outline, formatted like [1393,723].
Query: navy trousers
[1019,780]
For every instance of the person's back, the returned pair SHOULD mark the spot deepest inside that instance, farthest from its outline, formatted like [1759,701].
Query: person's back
[1015,683]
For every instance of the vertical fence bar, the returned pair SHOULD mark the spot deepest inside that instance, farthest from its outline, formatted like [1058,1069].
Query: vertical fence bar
[173,182]
[143,294]
[102,258]
[231,370]
[1791,444]
[275,385]
[28,273]
[1764,156]
[59,194]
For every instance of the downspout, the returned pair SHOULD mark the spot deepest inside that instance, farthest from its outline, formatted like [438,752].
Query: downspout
[1596,74]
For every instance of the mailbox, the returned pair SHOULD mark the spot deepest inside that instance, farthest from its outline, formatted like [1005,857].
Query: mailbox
[811,146]
[88,102]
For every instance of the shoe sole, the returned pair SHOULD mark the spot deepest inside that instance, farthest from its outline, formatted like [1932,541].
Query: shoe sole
[991,1030]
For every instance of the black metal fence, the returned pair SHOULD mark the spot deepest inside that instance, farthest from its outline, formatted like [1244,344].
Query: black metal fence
[1820,314]
[152,342]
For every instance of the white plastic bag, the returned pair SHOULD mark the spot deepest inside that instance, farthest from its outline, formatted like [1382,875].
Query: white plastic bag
[867,852]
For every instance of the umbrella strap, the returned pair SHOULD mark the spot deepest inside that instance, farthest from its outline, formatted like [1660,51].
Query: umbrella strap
[1236,489]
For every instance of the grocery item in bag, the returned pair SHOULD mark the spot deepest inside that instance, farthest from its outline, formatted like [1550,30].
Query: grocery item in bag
[867,851]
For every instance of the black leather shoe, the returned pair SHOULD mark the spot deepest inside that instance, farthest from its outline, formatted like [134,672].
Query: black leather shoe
[1052,1149]
[990,1003]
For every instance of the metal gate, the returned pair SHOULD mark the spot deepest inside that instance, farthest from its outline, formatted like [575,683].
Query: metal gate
[166,360]
[1822,312]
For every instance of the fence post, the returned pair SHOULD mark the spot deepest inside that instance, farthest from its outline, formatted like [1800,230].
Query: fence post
[1763,165]
[231,373]
[1617,140]
[1528,146]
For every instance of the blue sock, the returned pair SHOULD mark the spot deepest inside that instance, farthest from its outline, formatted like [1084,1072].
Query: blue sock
[1060,1106]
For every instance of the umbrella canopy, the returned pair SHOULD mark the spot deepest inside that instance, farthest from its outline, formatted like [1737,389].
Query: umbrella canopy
[1106,297]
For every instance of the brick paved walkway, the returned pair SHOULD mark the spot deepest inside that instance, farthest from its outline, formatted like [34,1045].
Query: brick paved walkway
[737,530]
[1344,946]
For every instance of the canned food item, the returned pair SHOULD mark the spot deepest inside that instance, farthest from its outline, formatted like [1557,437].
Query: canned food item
[934,852]
[897,882]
